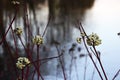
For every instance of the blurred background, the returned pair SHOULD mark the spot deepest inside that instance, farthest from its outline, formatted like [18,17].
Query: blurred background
[98,16]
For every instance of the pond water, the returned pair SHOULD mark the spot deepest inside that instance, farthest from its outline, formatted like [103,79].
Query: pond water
[104,19]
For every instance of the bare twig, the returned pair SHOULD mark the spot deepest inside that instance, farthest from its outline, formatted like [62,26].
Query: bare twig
[82,31]
[116,74]
[61,63]
[46,26]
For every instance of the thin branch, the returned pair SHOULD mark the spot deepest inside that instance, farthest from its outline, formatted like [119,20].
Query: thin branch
[4,36]
[99,60]
[46,26]
[61,63]
[116,74]
[82,31]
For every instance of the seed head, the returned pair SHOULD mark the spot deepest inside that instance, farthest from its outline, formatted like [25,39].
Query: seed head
[83,34]
[18,31]
[93,39]
[15,2]
[22,62]
[37,40]
[78,40]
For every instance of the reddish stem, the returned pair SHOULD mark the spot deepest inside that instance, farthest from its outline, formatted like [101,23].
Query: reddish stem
[11,56]
[116,74]
[22,74]
[4,36]
[82,31]
[61,64]
[30,57]
[100,63]
[33,75]
[15,42]
[27,72]
[38,59]
[46,27]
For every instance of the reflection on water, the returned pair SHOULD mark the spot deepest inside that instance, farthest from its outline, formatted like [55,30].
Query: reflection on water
[104,19]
